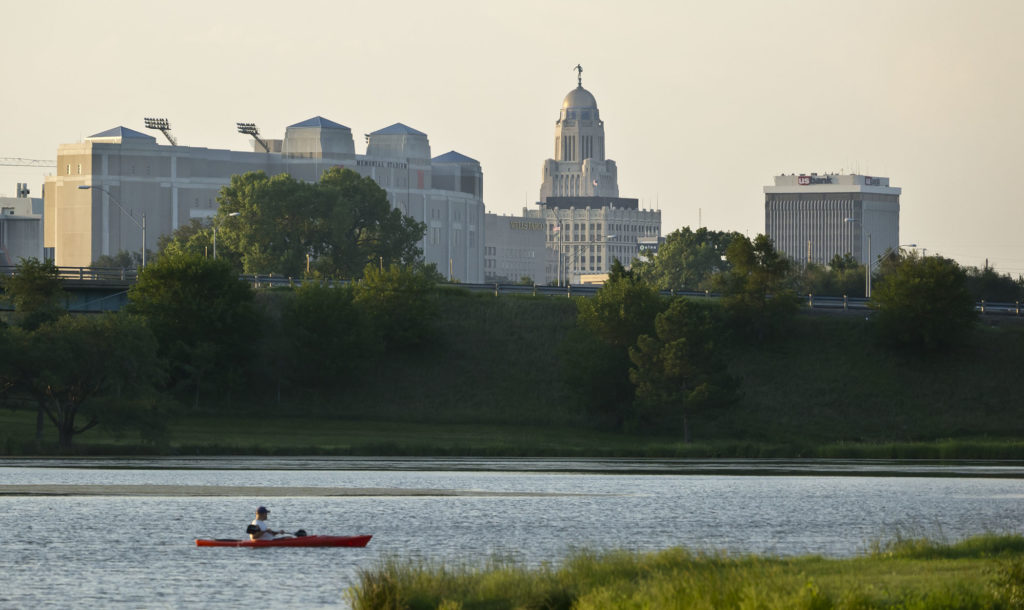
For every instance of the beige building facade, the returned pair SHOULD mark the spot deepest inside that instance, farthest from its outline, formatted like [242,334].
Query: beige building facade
[812,217]
[138,182]
[587,225]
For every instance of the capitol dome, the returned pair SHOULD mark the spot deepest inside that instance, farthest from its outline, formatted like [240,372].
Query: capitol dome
[579,98]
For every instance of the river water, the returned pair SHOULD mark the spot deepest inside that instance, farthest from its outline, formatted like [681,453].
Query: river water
[120,533]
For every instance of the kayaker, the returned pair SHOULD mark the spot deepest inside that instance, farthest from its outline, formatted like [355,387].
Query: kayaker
[260,523]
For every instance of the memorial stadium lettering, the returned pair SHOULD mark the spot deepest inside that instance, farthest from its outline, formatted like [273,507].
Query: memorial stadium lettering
[521,225]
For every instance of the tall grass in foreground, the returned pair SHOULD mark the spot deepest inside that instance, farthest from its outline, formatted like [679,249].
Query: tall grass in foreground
[981,572]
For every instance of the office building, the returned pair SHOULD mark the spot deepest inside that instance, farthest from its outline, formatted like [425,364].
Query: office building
[812,217]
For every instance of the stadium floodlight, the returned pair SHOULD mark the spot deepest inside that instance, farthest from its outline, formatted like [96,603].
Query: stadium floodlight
[250,129]
[163,125]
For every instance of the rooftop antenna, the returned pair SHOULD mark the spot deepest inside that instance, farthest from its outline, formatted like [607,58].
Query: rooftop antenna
[250,129]
[164,126]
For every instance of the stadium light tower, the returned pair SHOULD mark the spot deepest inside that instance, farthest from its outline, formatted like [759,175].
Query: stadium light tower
[250,129]
[163,125]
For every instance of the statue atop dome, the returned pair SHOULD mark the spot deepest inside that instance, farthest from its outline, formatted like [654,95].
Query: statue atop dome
[579,77]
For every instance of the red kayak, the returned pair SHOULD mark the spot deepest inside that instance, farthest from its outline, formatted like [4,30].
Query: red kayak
[297,541]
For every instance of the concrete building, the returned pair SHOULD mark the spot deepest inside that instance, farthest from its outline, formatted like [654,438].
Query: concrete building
[134,175]
[588,226]
[814,217]
[21,228]
[516,249]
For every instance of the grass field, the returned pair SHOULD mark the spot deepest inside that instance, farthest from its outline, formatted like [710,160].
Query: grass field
[982,572]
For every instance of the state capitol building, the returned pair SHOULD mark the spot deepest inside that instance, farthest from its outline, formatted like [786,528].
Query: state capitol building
[581,225]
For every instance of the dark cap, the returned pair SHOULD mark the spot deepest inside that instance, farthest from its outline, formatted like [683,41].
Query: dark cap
[262,509]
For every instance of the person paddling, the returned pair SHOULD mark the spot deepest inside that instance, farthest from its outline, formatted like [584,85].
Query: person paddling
[258,529]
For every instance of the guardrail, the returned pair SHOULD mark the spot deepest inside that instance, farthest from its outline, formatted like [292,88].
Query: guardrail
[129,275]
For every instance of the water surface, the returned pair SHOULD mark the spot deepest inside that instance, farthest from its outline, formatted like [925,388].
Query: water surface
[125,550]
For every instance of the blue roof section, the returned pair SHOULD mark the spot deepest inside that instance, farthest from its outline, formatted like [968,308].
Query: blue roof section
[319,121]
[453,157]
[123,133]
[398,129]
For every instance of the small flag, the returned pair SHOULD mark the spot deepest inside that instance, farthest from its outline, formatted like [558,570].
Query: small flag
[556,229]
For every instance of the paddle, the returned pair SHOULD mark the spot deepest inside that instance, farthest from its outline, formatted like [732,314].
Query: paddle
[252,529]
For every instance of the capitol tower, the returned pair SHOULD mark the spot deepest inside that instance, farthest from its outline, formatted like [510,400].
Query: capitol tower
[588,226]
[579,168]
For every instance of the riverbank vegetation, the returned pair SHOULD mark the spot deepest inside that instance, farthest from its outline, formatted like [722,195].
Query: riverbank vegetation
[396,363]
[980,572]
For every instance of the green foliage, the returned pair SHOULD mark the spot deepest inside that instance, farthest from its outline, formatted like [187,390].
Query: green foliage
[328,340]
[622,310]
[596,359]
[680,370]
[755,290]
[844,276]
[192,239]
[79,365]
[678,578]
[987,285]
[923,303]
[36,293]
[334,228]
[201,314]
[401,302]
[688,260]
[122,260]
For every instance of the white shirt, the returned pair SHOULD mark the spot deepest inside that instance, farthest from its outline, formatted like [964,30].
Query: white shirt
[265,535]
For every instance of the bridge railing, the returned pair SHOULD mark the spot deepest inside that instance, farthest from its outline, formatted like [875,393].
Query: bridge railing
[129,275]
[121,274]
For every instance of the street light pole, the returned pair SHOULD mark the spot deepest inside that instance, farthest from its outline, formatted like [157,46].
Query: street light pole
[867,261]
[867,271]
[141,225]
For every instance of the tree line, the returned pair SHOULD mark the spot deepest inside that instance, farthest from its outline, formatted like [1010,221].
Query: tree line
[194,335]
[690,260]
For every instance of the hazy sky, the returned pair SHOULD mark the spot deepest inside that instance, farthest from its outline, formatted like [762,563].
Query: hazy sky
[703,102]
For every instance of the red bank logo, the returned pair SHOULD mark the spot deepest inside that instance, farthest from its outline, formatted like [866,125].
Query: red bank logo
[803,180]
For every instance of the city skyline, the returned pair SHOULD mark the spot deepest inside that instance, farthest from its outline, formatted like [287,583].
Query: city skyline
[703,103]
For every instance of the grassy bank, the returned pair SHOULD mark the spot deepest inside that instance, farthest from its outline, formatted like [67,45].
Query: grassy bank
[982,572]
[493,383]
[288,435]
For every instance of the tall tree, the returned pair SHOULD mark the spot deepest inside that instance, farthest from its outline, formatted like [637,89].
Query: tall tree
[76,365]
[327,339]
[192,239]
[596,355]
[36,293]
[688,260]
[755,289]
[401,302]
[333,228]
[202,315]
[923,303]
[988,285]
[363,228]
[679,370]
